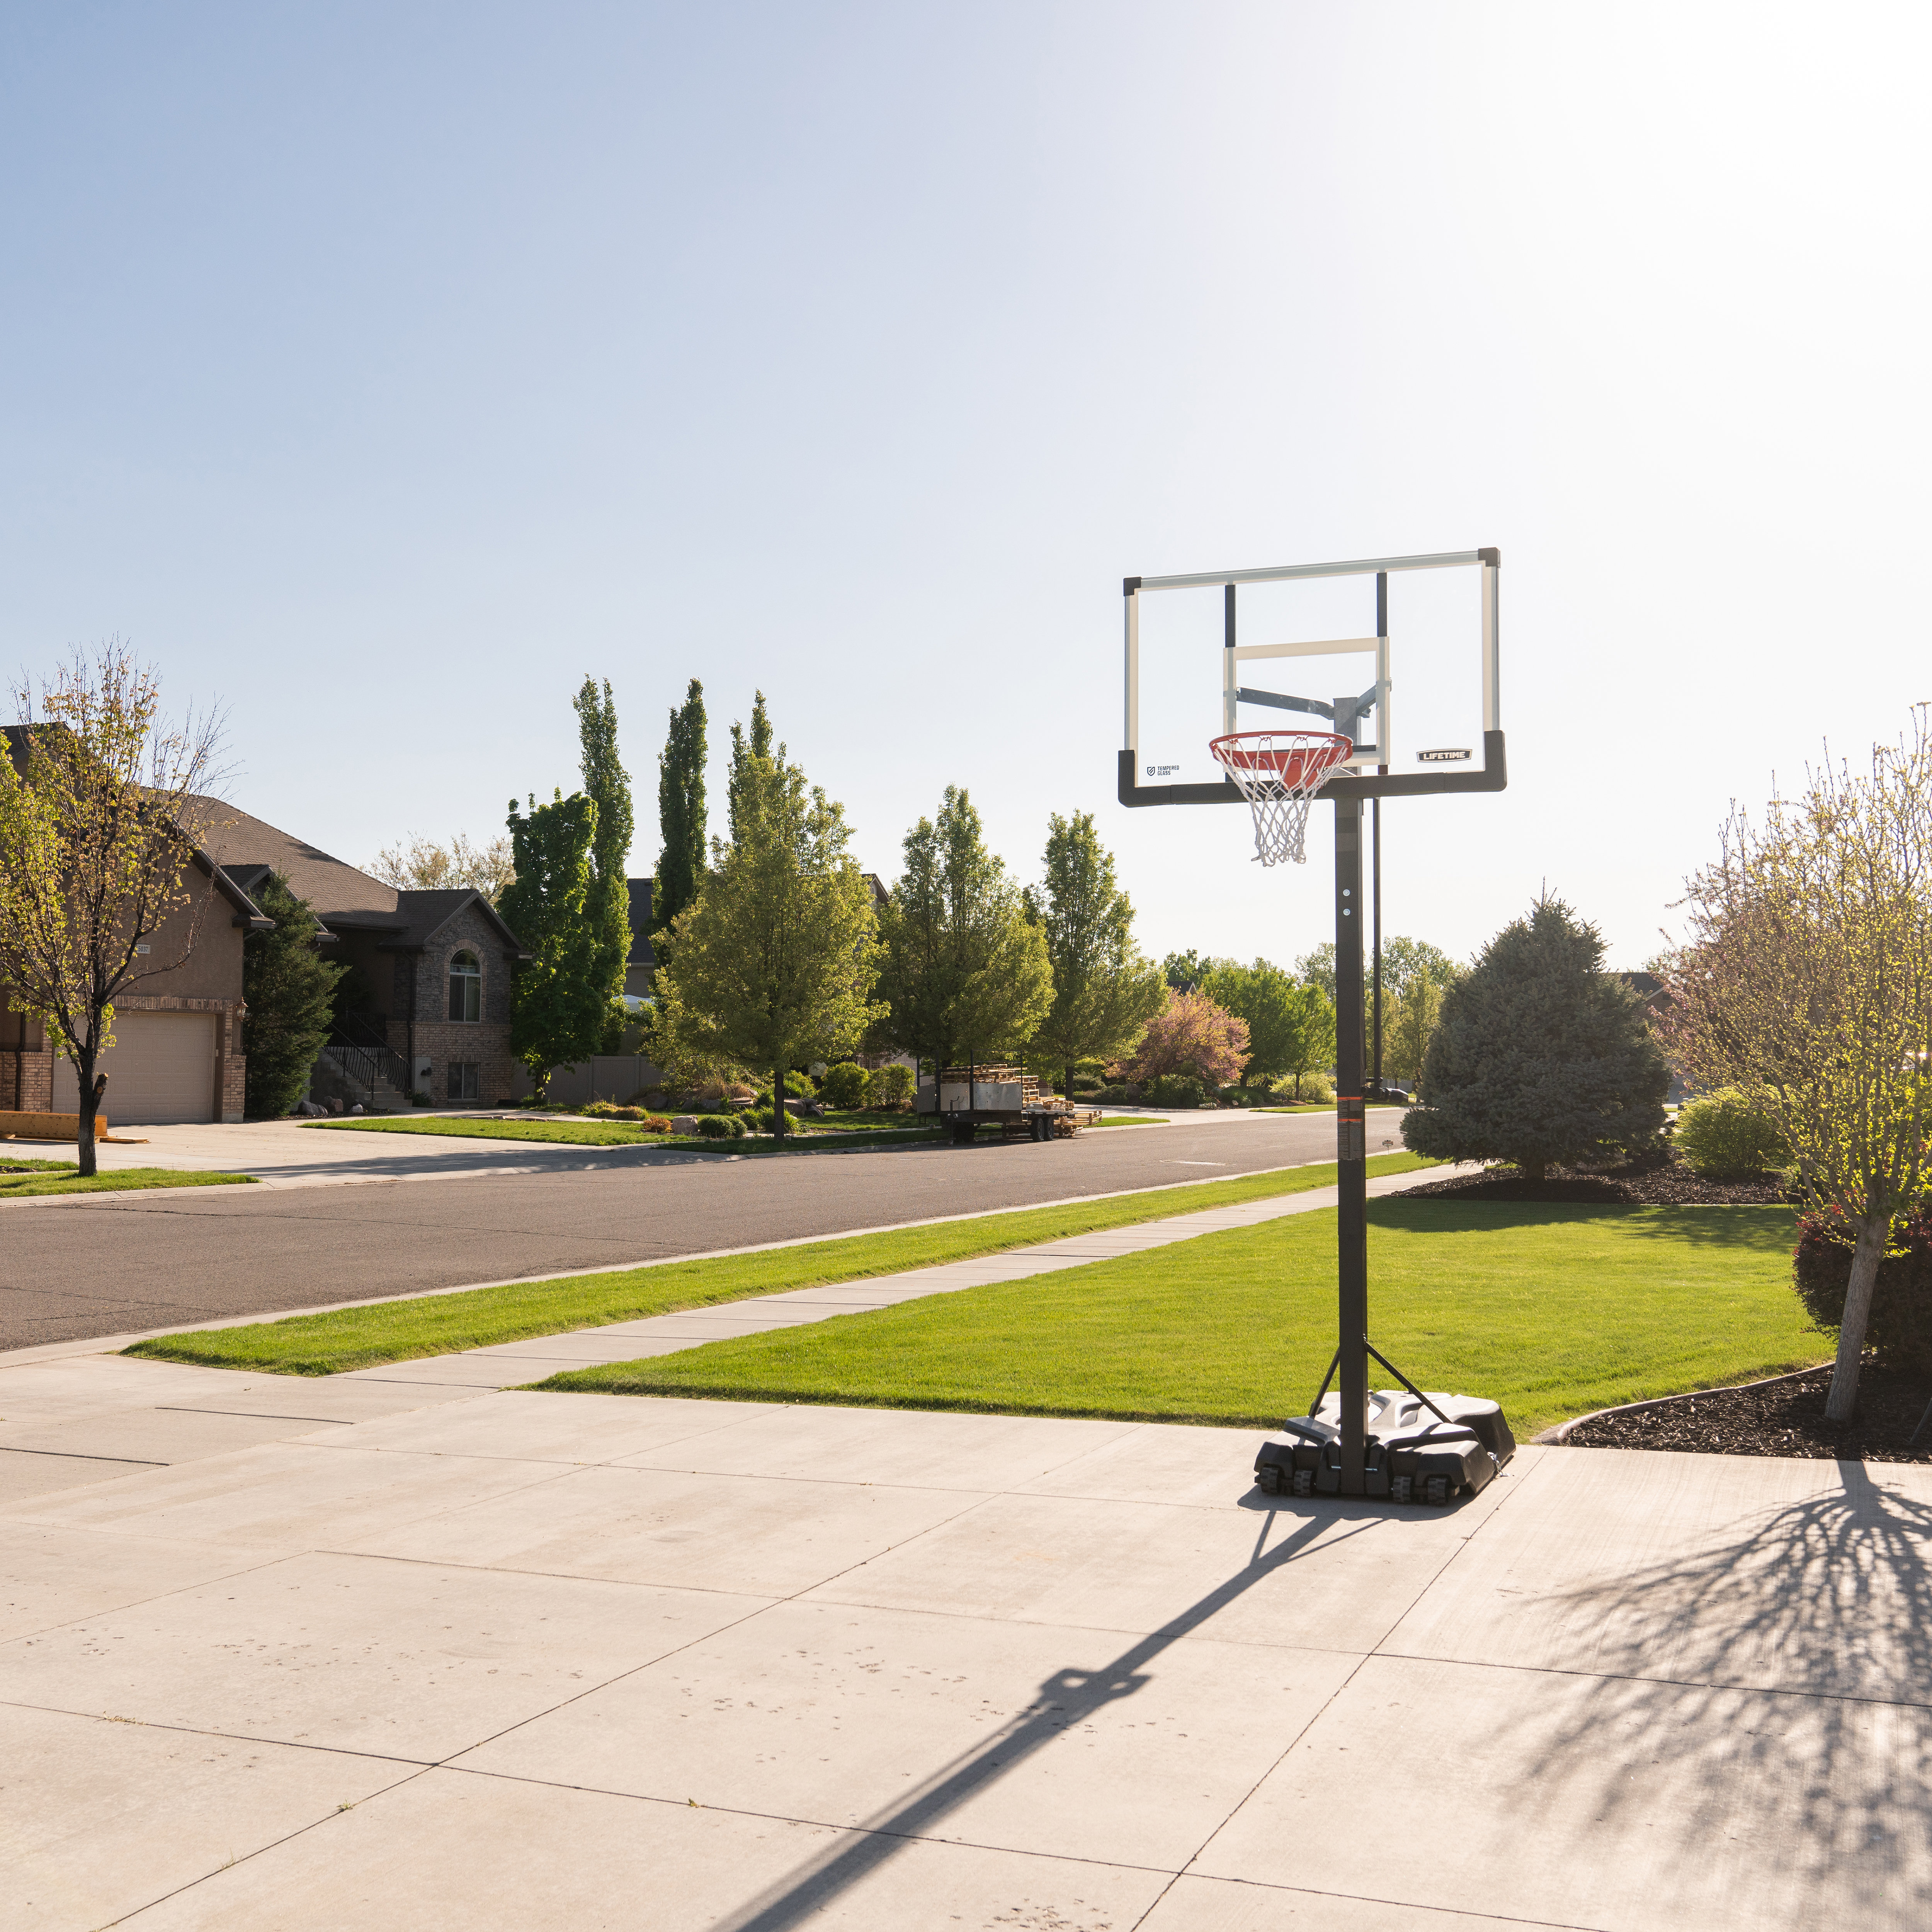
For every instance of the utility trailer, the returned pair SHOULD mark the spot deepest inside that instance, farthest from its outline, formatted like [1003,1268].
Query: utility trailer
[968,1098]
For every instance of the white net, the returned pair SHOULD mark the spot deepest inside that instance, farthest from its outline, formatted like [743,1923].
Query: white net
[1279,773]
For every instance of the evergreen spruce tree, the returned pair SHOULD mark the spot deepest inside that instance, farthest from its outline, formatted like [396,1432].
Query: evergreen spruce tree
[607,785]
[681,815]
[290,991]
[558,1008]
[1539,1055]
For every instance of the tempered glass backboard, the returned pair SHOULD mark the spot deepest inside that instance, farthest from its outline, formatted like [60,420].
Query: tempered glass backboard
[1308,656]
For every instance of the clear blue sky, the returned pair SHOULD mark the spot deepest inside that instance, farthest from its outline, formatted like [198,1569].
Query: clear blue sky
[379,371]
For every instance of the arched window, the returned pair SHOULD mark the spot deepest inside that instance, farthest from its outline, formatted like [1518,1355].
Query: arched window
[466,988]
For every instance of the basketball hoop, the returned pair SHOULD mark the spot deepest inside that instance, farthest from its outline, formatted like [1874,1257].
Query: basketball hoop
[1279,773]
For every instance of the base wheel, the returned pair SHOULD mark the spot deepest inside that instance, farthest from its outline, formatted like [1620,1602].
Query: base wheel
[1267,1479]
[1304,1482]
[1437,1491]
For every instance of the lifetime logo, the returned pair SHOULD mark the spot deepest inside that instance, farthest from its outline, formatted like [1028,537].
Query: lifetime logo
[1446,755]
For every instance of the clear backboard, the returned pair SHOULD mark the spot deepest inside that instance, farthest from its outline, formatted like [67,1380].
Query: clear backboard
[1398,654]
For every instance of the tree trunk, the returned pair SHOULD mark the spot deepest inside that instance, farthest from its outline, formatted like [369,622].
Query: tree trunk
[91,1091]
[1067,1091]
[778,1101]
[1842,1399]
[1536,1170]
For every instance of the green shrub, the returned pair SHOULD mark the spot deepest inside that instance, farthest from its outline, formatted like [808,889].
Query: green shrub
[845,1086]
[1729,1134]
[757,1120]
[721,1127]
[1314,1088]
[1900,1325]
[892,1086]
[1177,1090]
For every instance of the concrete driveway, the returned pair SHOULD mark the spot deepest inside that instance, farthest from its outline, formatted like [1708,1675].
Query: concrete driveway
[413,1656]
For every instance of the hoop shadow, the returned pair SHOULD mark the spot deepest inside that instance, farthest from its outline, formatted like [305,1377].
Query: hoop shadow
[1064,1701]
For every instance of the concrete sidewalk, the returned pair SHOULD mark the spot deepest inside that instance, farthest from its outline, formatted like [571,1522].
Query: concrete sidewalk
[502,1659]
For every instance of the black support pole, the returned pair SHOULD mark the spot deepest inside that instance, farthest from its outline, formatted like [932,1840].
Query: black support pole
[1351,1246]
[1381,735]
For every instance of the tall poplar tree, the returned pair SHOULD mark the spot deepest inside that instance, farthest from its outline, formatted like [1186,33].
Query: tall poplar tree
[681,814]
[749,749]
[1105,991]
[607,785]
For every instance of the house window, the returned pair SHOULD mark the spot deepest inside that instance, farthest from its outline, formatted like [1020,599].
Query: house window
[466,1079]
[466,988]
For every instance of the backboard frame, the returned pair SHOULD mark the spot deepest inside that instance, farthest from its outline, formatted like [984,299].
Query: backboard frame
[1491,775]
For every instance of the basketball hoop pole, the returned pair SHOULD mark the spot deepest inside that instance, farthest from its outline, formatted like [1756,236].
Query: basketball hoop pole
[1351,1229]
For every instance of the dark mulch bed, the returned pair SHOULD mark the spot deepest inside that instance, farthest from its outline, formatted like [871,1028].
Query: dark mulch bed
[1781,1418]
[1652,1180]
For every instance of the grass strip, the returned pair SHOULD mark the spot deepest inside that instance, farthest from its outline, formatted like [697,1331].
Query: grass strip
[13,1185]
[401,1331]
[1552,1310]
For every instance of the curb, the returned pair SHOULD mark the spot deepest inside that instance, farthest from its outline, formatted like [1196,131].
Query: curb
[1560,1435]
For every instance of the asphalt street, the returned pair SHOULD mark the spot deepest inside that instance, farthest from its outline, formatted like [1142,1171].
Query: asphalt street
[108,1264]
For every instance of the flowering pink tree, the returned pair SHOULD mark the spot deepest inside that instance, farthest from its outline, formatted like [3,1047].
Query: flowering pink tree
[1191,1034]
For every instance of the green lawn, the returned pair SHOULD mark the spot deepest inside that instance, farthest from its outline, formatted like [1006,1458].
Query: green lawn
[400,1331]
[1552,1310]
[19,1177]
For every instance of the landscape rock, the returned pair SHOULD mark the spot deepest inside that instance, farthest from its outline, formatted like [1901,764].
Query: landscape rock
[684,1123]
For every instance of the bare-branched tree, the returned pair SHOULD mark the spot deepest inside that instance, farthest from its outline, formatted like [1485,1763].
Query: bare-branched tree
[103,807]
[421,865]
[1807,974]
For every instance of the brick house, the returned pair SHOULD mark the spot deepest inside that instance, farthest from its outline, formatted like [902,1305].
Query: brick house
[429,997]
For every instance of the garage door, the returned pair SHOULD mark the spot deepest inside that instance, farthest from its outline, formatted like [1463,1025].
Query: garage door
[161,1068]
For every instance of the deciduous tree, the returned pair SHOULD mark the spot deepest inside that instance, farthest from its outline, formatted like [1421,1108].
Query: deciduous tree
[1105,991]
[1191,1034]
[101,813]
[1808,977]
[421,865]
[964,970]
[558,1008]
[1539,1055]
[773,966]
[1278,1011]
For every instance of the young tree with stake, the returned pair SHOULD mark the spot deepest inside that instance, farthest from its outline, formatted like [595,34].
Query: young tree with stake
[1807,975]
[101,813]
